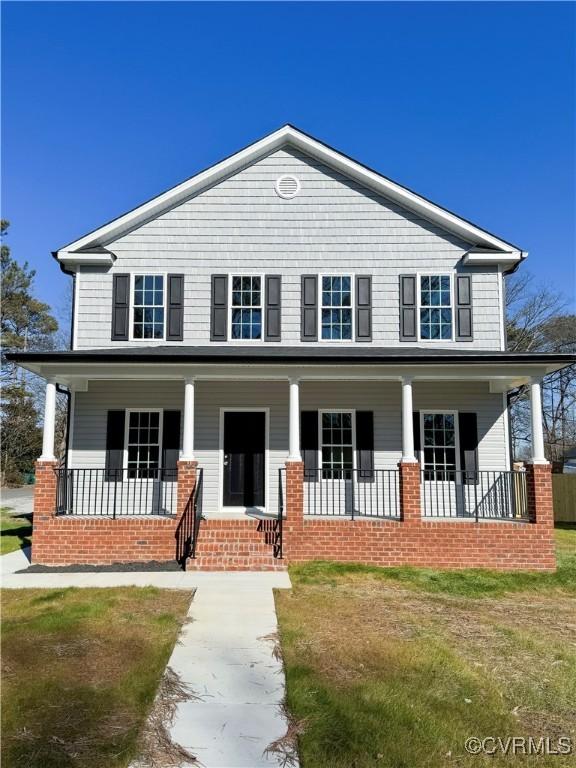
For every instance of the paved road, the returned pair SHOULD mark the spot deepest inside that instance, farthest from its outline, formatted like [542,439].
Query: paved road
[18,499]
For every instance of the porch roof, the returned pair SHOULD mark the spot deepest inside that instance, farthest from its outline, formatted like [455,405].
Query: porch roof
[267,354]
[503,370]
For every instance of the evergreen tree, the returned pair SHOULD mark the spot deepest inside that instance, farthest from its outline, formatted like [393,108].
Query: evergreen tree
[25,324]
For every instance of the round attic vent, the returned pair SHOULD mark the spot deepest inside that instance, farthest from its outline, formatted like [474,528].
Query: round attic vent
[287,186]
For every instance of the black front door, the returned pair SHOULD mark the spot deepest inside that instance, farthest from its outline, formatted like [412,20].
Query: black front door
[244,452]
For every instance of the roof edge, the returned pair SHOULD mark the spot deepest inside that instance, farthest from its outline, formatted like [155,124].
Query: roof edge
[289,135]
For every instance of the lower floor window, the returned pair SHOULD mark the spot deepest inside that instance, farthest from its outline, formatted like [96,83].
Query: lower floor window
[336,443]
[143,443]
[439,445]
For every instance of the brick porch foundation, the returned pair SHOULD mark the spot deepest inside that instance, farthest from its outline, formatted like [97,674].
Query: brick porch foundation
[419,542]
[83,539]
[241,545]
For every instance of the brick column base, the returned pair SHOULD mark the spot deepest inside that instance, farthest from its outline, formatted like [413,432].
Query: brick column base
[44,501]
[45,490]
[410,508]
[539,494]
[186,484]
[293,528]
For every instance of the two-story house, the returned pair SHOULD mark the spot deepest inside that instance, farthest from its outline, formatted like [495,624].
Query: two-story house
[287,357]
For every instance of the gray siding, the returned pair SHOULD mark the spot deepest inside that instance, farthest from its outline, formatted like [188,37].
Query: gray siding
[384,398]
[240,225]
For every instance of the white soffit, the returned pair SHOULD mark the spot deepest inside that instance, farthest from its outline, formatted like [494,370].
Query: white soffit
[288,135]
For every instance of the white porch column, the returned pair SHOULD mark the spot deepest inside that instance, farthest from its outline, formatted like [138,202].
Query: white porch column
[538,455]
[188,435]
[294,423]
[49,422]
[407,425]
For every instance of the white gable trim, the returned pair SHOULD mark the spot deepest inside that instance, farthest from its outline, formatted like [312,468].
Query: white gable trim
[288,135]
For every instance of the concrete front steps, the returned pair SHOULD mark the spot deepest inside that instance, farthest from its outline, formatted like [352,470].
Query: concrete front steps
[235,545]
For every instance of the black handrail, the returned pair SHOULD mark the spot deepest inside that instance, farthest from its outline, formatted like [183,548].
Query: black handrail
[197,509]
[278,541]
[189,525]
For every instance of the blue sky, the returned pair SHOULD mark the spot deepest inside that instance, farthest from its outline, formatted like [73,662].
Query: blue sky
[471,104]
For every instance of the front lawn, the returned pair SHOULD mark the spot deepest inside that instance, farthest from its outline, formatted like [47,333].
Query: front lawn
[15,530]
[80,669]
[396,668]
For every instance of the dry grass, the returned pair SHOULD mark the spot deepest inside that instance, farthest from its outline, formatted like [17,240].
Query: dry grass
[387,673]
[156,748]
[80,671]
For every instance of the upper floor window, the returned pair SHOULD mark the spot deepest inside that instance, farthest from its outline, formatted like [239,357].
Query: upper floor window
[336,308]
[246,307]
[148,322]
[435,307]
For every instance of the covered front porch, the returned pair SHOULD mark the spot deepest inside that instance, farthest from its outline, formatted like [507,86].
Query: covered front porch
[198,448]
[350,430]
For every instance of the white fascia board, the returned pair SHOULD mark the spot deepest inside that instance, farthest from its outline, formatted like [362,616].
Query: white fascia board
[504,259]
[290,135]
[69,373]
[74,260]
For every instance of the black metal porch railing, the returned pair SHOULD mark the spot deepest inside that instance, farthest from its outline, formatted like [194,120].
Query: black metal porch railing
[352,492]
[116,492]
[189,525]
[492,495]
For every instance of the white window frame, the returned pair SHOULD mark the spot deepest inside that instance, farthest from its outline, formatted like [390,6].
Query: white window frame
[231,276]
[435,273]
[133,276]
[160,412]
[352,277]
[443,412]
[352,412]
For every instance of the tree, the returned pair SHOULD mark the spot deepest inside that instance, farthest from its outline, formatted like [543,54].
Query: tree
[26,324]
[537,321]
[21,433]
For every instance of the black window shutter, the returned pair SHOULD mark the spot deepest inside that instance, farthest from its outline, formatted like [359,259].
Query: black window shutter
[416,428]
[219,308]
[175,308]
[365,446]
[170,444]
[115,424]
[272,320]
[468,435]
[464,308]
[120,307]
[309,318]
[309,444]
[408,319]
[363,308]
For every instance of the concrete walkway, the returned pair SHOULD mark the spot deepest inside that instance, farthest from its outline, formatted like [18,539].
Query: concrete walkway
[224,655]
